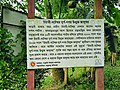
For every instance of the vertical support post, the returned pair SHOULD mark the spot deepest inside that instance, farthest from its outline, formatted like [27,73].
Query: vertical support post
[30,73]
[31,9]
[99,72]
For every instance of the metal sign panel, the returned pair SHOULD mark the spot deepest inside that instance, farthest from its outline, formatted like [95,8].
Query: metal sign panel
[13,17]
[11,20]
[57,43]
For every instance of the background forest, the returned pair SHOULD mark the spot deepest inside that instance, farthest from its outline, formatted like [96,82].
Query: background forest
[13,71]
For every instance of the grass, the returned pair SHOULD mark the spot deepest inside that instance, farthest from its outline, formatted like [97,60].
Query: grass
[112,76]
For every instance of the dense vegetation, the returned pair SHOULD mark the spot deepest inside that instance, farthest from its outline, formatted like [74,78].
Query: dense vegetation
[13,71]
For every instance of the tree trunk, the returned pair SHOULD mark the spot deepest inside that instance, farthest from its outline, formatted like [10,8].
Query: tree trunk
[58,74]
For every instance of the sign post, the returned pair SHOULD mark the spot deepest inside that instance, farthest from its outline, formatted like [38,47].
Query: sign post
[30,72]
[99,73]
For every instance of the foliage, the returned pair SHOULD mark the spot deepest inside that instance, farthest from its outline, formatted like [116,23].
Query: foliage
[107,53]
[112,16]
[112,77]
[12,68]
[40,8]
[5,55]
[60,8]
[111,13]
[21,6]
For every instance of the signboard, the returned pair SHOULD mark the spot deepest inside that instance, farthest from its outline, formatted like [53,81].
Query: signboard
[11,20]
[58,43]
